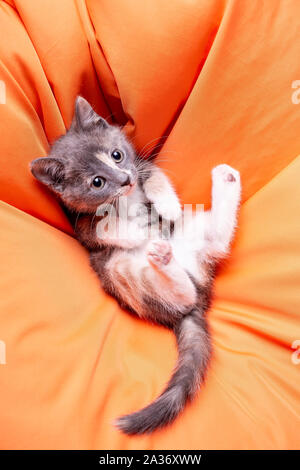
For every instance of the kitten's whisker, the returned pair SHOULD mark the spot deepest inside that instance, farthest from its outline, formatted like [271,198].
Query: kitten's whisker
[151,156]
[76,221]
[141,166]
[160,157]
[146,153]
[111,115]
[169,171]
[151,141]
[91,224]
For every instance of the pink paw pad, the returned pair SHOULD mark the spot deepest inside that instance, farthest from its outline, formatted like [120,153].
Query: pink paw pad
[159,252]
[230,177]
[226,173]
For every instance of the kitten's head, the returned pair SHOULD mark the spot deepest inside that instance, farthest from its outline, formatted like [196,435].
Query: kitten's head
[90,165]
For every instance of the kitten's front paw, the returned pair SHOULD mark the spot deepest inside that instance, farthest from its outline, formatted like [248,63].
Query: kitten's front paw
[169,208]
[226,185]
[159,252]
[226,174]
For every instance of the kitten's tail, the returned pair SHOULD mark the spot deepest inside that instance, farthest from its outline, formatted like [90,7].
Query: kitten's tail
[194,348]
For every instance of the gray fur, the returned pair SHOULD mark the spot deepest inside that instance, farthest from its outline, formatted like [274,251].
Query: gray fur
[72,162]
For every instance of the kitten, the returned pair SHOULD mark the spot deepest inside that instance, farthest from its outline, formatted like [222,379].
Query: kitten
[168,281]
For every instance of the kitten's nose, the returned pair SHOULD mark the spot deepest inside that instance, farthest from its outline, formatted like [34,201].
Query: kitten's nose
[127,182]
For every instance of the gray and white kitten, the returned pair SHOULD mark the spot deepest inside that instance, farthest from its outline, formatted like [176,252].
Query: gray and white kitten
[165,281]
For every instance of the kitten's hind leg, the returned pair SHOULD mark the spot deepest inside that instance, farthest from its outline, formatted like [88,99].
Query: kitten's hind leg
[167,277]
[221,220]
[151,282]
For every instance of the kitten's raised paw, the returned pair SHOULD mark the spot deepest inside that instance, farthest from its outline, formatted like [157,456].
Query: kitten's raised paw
[169,208]
[226,185]
[159,252]
[226,173]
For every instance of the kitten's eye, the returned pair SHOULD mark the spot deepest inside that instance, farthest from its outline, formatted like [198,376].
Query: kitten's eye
[98,182]
[117,156]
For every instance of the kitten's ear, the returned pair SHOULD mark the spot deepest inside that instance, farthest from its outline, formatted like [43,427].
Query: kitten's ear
[85,117]
[50,171]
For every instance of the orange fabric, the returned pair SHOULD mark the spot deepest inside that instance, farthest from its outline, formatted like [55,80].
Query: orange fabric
[216,77]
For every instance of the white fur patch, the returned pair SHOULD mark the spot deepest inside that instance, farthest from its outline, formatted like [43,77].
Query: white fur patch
[104,158]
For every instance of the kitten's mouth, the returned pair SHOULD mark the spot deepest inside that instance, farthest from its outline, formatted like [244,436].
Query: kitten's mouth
[129,189]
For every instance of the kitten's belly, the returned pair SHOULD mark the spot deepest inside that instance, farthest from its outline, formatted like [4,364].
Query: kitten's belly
[187,242]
